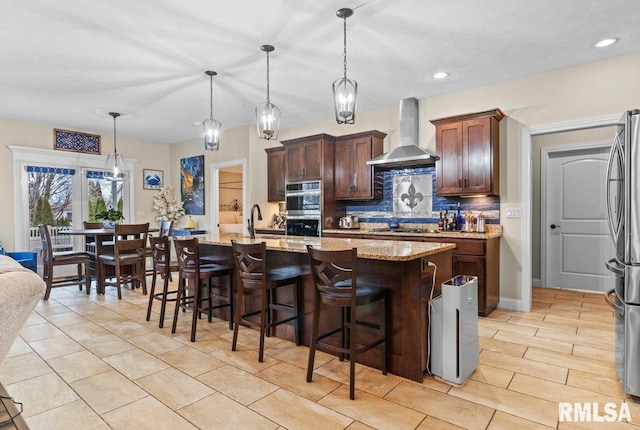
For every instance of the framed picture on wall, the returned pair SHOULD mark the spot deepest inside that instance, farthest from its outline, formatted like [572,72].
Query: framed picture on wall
[192,184]
[67,140]
[152,179]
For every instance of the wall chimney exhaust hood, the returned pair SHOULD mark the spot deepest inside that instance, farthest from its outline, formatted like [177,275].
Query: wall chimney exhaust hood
[408,154]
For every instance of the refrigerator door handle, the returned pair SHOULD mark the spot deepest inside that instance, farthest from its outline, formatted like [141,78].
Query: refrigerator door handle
[613,266]
[616,151]
[619,309]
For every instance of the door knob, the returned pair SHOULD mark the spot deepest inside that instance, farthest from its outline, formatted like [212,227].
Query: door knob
[554,226]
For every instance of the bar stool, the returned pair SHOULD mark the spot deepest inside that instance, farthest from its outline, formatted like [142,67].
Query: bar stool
[335,278]
[251,264]
[162,266]
[52,259]
[190,269]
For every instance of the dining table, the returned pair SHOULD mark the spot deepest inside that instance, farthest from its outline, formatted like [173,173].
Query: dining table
[98,241]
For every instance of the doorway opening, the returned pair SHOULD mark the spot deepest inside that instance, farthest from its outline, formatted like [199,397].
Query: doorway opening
[229,195]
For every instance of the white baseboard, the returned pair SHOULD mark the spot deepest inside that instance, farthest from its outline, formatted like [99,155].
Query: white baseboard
[510,304]
[536,282]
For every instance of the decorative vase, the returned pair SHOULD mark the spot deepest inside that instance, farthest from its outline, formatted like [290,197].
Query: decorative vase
[107,223]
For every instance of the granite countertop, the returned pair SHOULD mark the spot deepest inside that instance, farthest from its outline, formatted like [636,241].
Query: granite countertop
[389,250]
[442,234]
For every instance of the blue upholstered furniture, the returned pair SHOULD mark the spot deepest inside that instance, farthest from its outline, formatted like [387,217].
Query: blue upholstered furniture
[28,259]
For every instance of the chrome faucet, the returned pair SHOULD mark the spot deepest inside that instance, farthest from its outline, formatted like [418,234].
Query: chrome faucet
[251,228]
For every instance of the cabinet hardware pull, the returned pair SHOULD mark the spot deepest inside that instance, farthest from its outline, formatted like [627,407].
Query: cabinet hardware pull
[460,182]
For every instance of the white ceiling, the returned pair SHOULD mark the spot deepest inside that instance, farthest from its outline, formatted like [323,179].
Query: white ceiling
[69,62]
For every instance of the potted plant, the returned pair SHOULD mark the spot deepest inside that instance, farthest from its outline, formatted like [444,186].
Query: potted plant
[109,217]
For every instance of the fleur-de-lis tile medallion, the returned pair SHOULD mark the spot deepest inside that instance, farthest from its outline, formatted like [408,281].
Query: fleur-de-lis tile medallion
[412,198]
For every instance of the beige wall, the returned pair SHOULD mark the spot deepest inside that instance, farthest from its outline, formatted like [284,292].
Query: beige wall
[587,91]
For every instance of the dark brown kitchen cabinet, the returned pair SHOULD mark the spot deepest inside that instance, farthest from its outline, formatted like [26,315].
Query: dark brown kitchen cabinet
[354,180]
[468,146]
[275,174]
[304,157]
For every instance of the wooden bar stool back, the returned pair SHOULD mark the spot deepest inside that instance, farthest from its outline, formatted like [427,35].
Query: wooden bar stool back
[336,284]
[129,252]
[253,275]
[162,267]
[52,259]
[190,269]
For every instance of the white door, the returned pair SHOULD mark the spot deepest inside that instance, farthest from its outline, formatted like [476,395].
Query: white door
[576,232]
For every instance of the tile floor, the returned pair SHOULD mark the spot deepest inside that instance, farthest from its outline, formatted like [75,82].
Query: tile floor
[93,362]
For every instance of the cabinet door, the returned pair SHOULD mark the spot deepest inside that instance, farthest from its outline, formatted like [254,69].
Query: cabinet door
[293,168]
[449,167]
[343,169]
[477,156]
[362,184]
[474,266]
[275,175]
[311,161]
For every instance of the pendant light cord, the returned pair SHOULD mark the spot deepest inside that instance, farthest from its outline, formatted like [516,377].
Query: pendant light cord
[345,47]
[211,96]
[268,100]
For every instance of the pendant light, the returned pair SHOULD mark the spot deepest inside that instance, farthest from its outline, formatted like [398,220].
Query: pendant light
[114,167]
[345,91]
[210,126]
[267,115]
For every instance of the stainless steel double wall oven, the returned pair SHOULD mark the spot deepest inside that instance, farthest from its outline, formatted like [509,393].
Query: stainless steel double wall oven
[303,208]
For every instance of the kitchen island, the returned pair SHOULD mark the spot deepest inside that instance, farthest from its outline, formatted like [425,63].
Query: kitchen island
[400,266]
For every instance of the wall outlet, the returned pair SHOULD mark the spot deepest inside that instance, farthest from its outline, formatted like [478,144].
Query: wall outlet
[514,212]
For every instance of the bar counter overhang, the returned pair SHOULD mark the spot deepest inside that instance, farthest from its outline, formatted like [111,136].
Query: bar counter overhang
[400,266]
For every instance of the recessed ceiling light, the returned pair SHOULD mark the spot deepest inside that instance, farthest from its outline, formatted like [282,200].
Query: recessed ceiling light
[606,42]
[440,75]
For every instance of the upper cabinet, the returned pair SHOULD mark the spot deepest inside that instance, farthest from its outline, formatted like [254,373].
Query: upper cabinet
[468,146]
[275,174]
[304,157]
[354,180]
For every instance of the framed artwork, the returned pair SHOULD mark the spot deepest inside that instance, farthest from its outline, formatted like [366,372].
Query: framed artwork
[66,140]
[192,184]
[152,179]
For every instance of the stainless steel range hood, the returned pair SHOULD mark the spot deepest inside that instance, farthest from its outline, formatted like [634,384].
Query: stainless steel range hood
[408,154]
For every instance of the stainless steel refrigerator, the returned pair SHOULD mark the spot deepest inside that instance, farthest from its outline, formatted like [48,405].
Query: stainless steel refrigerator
[623,213]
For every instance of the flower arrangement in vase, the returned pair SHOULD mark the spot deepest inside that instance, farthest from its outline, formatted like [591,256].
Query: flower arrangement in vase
[166,206]
[109,217]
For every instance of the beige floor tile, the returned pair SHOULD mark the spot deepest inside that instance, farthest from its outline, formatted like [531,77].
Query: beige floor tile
[596,333]
[595,383]
[605,317]
[521,405]
[41,393]
[108,391]
[367,379]
[596,425]
[432,382]
[594,342]
[561,327]
[555,392]
[297,356]
[135,363]
[502,346]
[589,365]
[205,342]
[74,415]
[19,347]
[174,388]
[486,331]
[104,317]
[539,342]
[56,347]
[294,379]
[79,365]
[104,346]
[356,425]
[524,365]
[191,361]
[579,322]
[146,413]
[453,410]
[492,375]
[127,329]
[241,386]
[124,307]
[21,367]
[85,308]
[85,330]
[220,412]
[37,332]
[372,410]
[155,343]
[518,329]
[306,414]
[606,355]
[431,423]
[245,360]
[503,421]
[65,319]
[50,307]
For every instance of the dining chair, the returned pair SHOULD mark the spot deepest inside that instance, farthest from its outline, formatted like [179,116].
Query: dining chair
[254,275]
[162,267]
[336,284]
[129,251]
[200,277]
[51,259]
[90,241]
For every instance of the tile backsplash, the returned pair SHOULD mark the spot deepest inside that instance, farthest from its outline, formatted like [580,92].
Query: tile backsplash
[409,196]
